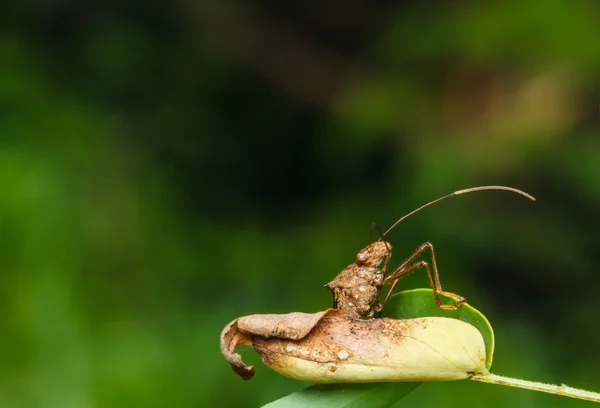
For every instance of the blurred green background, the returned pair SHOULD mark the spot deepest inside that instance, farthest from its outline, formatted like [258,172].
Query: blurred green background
[167,167]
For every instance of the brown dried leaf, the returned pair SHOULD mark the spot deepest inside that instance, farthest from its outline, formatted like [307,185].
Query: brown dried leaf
[284,326]
[293,326]
[230,338]
[379,350]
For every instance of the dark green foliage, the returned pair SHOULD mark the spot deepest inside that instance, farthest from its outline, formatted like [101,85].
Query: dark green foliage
[168,168]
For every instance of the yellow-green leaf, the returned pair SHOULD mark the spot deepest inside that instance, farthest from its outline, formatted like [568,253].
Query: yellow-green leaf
[420,303]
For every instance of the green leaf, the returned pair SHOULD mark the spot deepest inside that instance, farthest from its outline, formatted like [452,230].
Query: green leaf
[404,305]
[376,395]
[420,303]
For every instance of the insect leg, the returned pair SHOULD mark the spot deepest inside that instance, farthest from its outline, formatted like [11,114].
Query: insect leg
[409,265]
[398,274]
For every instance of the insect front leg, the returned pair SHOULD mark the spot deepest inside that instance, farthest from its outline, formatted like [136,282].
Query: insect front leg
[411,265]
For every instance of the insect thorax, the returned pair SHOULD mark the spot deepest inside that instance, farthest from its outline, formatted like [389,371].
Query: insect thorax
[356,291]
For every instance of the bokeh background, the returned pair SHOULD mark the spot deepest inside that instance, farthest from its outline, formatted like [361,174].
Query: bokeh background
[166,167]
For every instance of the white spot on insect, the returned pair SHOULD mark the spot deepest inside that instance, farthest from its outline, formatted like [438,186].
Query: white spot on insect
[350,304]
[361,289]
[290,347]
[342,355]
[304,351]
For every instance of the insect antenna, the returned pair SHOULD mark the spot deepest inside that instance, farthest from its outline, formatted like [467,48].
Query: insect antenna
[374,226]
[459,192]
[381,236]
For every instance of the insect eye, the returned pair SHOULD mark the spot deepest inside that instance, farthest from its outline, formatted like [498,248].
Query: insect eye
[361,257]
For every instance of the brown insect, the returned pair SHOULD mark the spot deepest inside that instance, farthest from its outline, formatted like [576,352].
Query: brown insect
[357,289]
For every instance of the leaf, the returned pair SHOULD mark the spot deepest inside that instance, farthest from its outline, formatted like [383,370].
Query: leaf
[341,350]
[376,395]
[420,303]
[295,325]
[282,326]
[404,305]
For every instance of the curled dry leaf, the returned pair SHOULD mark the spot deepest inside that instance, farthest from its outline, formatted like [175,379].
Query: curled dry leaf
[292,326]
[327,347]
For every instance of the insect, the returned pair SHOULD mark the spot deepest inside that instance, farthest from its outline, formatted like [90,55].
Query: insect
[357,289]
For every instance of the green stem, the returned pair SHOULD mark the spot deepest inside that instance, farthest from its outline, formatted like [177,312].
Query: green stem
[537,386]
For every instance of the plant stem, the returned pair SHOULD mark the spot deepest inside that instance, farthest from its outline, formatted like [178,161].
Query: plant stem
[537,386]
